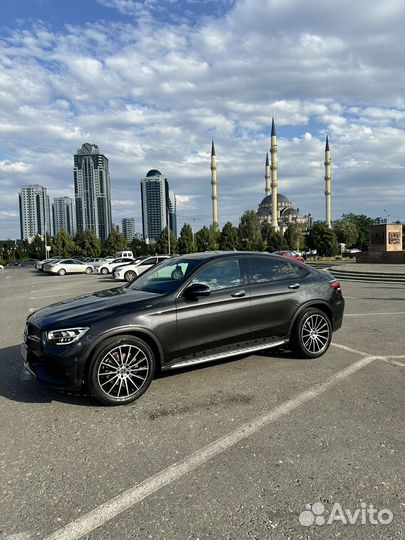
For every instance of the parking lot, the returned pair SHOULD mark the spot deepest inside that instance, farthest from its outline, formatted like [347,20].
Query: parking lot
[235,449]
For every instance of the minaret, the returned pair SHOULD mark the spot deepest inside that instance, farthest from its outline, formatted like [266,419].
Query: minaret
[214,195]
[267,184]
[327,163]
[274,183]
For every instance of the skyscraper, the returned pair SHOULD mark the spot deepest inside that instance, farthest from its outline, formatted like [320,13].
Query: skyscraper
[64,215]
[92,191]
[157,206]
[34,212]
[128,228]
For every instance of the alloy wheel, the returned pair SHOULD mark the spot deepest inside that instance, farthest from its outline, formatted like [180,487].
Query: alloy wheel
[123,371]
[315,333]
[130,276]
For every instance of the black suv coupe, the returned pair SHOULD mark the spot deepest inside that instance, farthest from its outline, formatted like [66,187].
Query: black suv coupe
[187,310]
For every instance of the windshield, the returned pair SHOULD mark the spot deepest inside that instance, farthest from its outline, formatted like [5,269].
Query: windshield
[165,277]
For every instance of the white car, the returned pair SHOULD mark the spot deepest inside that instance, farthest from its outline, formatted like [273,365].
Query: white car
[39,265]
[95,261]
[108,267]
[1,267]
[68,266]
[131,271]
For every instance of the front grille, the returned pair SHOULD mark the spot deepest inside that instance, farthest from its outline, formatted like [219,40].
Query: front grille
[32,337]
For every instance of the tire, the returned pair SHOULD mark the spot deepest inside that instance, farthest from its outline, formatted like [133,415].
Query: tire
[130,276]
[62,272]
[111,376]
[312,334]
[104,270]
[89,270]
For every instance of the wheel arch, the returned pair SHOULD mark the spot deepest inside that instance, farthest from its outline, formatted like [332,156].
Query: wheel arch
[320,304]
[140,333]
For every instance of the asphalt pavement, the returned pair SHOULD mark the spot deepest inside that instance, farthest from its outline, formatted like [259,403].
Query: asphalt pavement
[259,447]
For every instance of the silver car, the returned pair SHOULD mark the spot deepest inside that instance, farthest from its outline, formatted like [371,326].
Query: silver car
[68,266]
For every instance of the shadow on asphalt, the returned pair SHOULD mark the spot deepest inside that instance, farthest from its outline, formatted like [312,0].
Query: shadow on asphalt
[18,385]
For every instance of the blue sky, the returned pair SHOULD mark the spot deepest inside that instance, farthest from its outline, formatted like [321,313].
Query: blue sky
[153,81]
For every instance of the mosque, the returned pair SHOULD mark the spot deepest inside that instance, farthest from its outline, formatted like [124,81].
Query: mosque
[285,213]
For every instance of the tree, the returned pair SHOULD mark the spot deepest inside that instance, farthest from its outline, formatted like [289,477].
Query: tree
[363,224]
[323,239]
[294,236]
[88,244]
[249,232]
[186,240]
[202,239]
[228,239]
[21,251]
[273,240]
[139,247]
[8,250]
[115,242]
[162,245]
[63,244]
[347,232]
[36,248]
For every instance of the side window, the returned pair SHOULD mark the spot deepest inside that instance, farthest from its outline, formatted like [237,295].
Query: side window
[265,269]
[223,274]
[153,260]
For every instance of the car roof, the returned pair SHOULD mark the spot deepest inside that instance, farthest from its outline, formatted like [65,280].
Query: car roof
[209,255]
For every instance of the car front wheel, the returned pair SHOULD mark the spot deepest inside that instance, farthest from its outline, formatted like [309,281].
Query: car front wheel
[62,272]
[130,275]
[121,370]
[312,334]
[104,270]
[89,270]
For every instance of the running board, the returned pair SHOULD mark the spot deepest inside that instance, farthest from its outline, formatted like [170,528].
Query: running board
[225,354]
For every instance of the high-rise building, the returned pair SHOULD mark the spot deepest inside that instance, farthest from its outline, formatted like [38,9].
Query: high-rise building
[64,215]
[92,191]
[128,228]
[34,212]
[157,207]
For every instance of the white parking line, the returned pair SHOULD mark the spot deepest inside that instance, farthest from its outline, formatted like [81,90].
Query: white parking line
[390,360]
[349,349]
[108,510]
[371,314]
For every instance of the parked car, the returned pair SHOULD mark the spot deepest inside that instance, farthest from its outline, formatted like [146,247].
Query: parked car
[127,254]
[131,271]
[134,261]
[188,310]
[1,267]
[107,267]
[39,265]
[68,266]
[95,261]
[290,255]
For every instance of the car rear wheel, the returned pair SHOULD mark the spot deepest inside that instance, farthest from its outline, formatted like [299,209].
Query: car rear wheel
[130,275]
[89,270]
[62,272]
[312,334]
[121,370]
[104,270]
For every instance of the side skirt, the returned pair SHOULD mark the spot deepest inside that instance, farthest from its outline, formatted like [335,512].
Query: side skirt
[242,348]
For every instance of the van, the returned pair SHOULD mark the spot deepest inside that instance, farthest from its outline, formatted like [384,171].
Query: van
[128,254]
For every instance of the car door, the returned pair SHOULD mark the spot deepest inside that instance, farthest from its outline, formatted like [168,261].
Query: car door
[148,263]
[277,288]
[220,319]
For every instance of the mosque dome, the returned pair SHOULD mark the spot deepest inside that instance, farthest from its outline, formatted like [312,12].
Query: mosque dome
[281,200]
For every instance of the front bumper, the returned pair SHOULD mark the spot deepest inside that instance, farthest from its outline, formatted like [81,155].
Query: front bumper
[64,372]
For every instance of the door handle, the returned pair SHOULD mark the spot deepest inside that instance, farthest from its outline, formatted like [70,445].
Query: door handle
[238,294]
[294,286]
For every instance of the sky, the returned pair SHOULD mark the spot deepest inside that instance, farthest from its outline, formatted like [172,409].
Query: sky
[152,82]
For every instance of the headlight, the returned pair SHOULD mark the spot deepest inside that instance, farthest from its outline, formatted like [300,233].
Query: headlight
[66,336]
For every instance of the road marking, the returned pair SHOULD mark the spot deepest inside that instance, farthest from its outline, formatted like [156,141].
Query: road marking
[345,348]
[370,314]
[108,510]
[390,360]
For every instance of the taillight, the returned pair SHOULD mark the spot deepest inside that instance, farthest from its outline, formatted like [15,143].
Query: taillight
[334,283]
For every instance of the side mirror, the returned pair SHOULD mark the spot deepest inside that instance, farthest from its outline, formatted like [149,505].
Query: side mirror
[195,290]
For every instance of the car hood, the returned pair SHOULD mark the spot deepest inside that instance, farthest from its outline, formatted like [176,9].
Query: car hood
[87,309]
